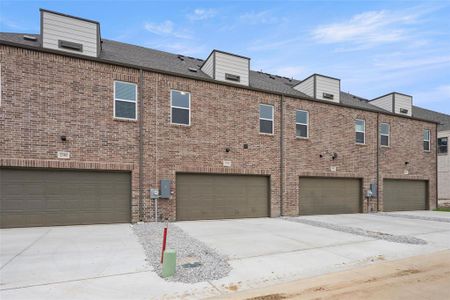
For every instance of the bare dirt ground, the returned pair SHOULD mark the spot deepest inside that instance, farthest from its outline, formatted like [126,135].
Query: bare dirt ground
[420,277]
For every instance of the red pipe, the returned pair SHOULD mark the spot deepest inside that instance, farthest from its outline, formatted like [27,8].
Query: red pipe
[164,244]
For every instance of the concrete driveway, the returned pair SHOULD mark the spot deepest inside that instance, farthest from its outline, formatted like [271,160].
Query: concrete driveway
[107,261]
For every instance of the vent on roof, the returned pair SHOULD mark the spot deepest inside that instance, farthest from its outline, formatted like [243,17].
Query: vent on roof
[181,57]
[70,34]
[192,69]
[30,38]
[232,77]
[227,67]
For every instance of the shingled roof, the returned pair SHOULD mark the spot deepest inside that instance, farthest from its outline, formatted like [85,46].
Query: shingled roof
[122,53]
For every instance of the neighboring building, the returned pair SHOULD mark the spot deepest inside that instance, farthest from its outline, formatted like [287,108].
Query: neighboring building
[442,149]
[90,125]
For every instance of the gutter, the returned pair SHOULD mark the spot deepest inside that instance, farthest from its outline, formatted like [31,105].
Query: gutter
[437,170]
[282,182]
[137,67]
[378,161]
[141,145]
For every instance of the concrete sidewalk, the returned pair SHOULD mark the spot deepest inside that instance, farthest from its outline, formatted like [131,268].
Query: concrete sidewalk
[107,261]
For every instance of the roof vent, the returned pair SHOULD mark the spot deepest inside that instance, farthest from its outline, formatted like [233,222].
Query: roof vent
[321,87]
[30,38]
[70,34]
[181,57]
[227,67]
[192,69]
[395,102]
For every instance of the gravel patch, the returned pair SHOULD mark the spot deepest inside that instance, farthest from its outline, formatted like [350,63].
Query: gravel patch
[437,219]
[196,262]
[405,239]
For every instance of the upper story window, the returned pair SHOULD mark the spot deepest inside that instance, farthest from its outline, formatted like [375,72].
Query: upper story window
[426,140]
[180,107]
[385,132]
[266,118]
[125,100]
[360,130]
[443,145]
[302,124]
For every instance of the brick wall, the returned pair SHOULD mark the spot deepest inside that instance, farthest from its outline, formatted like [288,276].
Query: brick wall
[45,96]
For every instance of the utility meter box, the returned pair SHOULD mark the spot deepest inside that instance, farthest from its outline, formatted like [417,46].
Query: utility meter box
[373,189]
[154,193]
[165,188]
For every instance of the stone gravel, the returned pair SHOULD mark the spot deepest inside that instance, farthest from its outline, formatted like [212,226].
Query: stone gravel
[405,239]
[196,262]
[425,218]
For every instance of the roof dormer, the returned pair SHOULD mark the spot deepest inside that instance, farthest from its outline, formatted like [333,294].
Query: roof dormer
[227,67]
[395,102]
[321,87]
[70,34]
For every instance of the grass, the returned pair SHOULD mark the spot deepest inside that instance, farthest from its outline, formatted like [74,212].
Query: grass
[447,209]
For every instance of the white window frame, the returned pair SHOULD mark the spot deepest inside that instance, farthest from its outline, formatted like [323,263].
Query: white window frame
[297,123]
[265,119]
[125,100]
[364,131]
[180,107]
[384,134]
[429,140]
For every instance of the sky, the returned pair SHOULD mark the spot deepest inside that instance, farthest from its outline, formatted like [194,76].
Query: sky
[374,47]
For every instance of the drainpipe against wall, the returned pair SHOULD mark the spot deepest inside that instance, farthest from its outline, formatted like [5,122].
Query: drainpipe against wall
[436,159]
[141,145]
[281,154]
[378,161]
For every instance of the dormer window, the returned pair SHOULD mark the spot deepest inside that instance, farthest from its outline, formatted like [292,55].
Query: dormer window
[227,67]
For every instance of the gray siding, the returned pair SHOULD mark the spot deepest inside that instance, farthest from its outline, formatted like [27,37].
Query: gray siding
[226,63]
[329,86]
[306,86]
[208,66]
[403,101]
[56,27]
[383,102]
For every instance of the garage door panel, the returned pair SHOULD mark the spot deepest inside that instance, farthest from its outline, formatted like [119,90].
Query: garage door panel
[208,196]
[329,195]
[31,197]
[401,195]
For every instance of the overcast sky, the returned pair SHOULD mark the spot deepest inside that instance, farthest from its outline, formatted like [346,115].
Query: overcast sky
[373,47]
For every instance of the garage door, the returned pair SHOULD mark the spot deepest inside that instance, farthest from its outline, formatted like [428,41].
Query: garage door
[329,196]
[404,195]
[55,197]
[206,196]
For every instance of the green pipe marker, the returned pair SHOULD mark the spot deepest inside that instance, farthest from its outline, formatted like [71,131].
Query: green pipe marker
[169,263]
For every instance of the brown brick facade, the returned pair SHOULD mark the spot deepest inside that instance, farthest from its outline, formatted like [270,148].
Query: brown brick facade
[46,95]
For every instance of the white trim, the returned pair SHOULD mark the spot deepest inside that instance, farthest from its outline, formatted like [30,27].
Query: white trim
[384,134]
[265,119]
[364,131]
[307,124]
[429,140]
[180,107]
[125,100]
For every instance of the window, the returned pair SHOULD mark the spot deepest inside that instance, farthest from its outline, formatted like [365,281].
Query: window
[443,145]
[266,118]
[301,123]
[360,129]
[180,103]
[125,100]
[426,139]
[385,134]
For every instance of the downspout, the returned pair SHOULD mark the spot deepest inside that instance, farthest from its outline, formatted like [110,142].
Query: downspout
[281,154]
[378,161]
[141,145]
[437,167]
